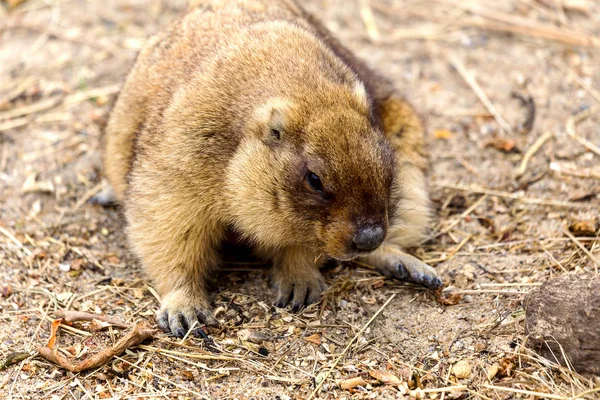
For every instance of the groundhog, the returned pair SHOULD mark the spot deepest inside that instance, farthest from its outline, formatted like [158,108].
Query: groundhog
[248,116]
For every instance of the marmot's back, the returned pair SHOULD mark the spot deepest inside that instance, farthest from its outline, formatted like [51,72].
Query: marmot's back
[198,45]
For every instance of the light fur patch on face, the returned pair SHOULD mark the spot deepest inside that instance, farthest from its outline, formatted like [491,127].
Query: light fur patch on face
[361,94]
[275,113]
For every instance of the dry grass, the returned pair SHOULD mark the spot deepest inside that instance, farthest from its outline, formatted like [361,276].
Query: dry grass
[504,192]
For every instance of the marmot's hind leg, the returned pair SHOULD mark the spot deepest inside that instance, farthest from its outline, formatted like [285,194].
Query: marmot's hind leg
[405,132]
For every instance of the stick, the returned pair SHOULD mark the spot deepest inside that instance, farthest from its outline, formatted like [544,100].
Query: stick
[135,336]
[582,247]
[337,361]
[529,392]
[470,80]
[56,101]
[163,379]
[73,316]
[572,132]
[532,150]
[14,240]
[501,21]
[369,20]
[499,193]
[461,217]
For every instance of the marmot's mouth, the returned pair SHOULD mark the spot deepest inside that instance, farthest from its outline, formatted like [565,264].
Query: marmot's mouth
[348,257]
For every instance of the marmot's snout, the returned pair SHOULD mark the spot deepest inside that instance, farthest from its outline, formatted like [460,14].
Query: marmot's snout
[368,237]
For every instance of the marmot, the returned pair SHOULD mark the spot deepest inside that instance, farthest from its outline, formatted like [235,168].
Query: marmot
[247,116]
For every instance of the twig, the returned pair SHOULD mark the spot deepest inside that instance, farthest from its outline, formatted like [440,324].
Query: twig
[72,316]
[56,101]
[572,132]
[522,199]
[200,395]
[532,150]
[529,105]
[135,336]
[337,361]
[545,32]
[470,80]
[14,240]
[452,253]
[500,21]
[488,291]
[88,195]
[366,14]
[528,392]
[461,217]
[582,247]
[577,172]
[445,389]
[572,75]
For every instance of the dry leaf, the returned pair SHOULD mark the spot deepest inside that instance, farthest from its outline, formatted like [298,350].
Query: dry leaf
[74,350]
[314,338]
[348,384]
[444,134]
[386,377]
[63,297]
[448,299]
[461,369]
[502,144]
[378,284]
[53,330]
[98,325]
[187,375]
[584,228]
[492,371]
[31,185]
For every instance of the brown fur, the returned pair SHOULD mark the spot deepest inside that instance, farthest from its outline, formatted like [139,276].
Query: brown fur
[192,151]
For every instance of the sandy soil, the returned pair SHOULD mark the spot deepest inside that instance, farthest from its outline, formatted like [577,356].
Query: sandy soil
[499,233]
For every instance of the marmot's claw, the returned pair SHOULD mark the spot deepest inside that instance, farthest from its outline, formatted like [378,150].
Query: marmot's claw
[179,322]
[302,290]
[405,267]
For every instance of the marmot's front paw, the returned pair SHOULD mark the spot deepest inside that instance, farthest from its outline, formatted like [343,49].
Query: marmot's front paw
[179,313]
[302,288]
[405,267]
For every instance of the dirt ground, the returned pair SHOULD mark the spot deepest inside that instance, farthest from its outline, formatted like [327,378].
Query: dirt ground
[469,68]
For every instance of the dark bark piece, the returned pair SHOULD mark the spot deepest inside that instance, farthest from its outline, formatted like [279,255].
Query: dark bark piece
[565,312]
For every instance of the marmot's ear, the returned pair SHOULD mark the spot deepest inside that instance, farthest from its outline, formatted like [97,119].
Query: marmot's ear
[275,119]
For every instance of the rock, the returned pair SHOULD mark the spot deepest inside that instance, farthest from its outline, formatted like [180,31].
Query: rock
[565,312]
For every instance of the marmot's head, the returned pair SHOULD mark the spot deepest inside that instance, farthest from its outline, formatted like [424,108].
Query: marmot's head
[316,172]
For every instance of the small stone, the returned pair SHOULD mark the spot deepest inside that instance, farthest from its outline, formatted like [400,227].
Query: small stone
[563,317]
[263,351]
[64,267]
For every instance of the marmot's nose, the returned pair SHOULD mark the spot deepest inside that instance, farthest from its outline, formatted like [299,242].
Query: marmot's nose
[369,237]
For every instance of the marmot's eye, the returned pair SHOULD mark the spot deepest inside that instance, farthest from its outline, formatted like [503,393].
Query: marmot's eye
[314,181]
